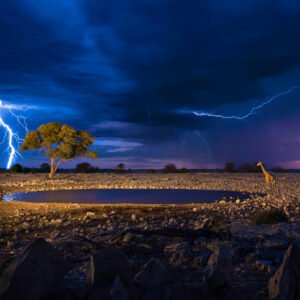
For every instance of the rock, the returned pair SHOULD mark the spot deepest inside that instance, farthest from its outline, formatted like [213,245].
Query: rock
[34,274]
[263,265]
[118,291]
[181,291]
[176,247]
[239,293]
[271,269]
[275,243]
[216,228]
[201,259]
[251,258]
[153,274]
[107,264]
[182,256]
[128,237]
[74,283]
[205,223]
[90,274]
[25,226]
[172,221]
[219,270]
[201,241]
[90,213]
[285,284]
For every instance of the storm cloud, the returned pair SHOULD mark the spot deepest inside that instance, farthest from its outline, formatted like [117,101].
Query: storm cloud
[126,70]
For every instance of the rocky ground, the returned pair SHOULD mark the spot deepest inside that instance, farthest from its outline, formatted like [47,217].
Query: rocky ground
[195,251]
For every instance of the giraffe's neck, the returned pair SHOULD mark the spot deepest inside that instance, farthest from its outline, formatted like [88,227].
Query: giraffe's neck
[264,170]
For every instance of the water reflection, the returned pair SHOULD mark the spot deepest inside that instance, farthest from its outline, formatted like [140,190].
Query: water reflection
[133,196]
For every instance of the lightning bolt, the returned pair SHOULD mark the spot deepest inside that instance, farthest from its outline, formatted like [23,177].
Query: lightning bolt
[205,142]
[252,112]
[253,109]
[12,137]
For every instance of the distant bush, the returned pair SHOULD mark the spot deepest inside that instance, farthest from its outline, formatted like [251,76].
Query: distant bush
[45,168]
[26,170]
[279,170]
[248,168]
[273,216]
[121,168]
[183,170]
[170,168]
[229,167]
[85,167]
[17,168]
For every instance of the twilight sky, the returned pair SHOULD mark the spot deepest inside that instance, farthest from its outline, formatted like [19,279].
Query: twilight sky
[133,72]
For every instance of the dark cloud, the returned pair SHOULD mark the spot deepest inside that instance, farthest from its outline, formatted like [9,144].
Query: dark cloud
[137,65]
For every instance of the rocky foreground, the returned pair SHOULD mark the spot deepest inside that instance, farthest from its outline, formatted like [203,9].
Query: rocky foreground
[195,251]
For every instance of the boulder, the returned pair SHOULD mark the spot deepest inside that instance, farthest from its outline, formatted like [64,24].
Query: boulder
[201,259]
[107,264]
[215,228]
[182,256]
[219,270]
[263,265]
[34,274]
[153,274]
[118,291]
[285,284]
[182,291]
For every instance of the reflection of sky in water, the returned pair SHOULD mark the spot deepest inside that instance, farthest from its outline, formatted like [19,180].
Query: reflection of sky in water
[127,196]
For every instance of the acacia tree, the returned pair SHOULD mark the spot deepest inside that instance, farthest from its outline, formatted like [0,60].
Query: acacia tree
[60,142]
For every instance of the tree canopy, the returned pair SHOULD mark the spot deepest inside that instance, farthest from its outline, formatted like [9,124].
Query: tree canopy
[60,142]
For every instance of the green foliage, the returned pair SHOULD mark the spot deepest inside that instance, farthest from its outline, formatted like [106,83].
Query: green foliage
[273,216]
[60,142]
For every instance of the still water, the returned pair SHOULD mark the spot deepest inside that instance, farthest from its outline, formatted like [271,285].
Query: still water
[134,196]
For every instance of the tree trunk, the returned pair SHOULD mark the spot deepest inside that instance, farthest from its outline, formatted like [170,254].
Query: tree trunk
[53,168]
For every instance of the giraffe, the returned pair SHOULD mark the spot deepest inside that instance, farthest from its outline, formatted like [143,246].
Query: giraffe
[270,179]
